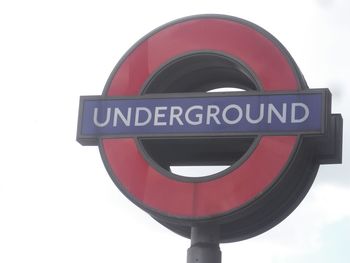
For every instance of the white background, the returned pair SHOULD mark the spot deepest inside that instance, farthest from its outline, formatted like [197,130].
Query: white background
[57,202]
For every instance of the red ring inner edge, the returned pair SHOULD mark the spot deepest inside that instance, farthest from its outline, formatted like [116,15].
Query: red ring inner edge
[238,187]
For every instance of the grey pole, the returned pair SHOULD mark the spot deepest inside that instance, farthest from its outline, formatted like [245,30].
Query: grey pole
[204,245]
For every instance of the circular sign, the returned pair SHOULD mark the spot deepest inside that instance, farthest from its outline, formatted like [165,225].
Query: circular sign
[258,190]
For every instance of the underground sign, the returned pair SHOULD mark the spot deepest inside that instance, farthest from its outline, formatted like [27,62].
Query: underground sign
[156,112]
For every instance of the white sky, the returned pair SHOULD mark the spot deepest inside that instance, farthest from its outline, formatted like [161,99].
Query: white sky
[57,202]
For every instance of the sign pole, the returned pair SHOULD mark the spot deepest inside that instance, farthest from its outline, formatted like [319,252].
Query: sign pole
[204,245]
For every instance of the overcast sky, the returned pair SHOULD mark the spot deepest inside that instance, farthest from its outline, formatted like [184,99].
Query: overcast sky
[57,202]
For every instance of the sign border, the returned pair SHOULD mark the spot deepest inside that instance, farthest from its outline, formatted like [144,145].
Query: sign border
[91,140]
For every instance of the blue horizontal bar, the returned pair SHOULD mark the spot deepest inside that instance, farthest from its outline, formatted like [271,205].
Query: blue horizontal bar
[209,115]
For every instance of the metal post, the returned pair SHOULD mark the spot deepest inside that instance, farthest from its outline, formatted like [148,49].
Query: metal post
[204,245]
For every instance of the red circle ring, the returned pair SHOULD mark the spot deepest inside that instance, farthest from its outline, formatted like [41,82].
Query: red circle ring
[145,185]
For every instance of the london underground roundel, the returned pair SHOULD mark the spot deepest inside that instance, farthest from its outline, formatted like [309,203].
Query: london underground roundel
[155,111]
